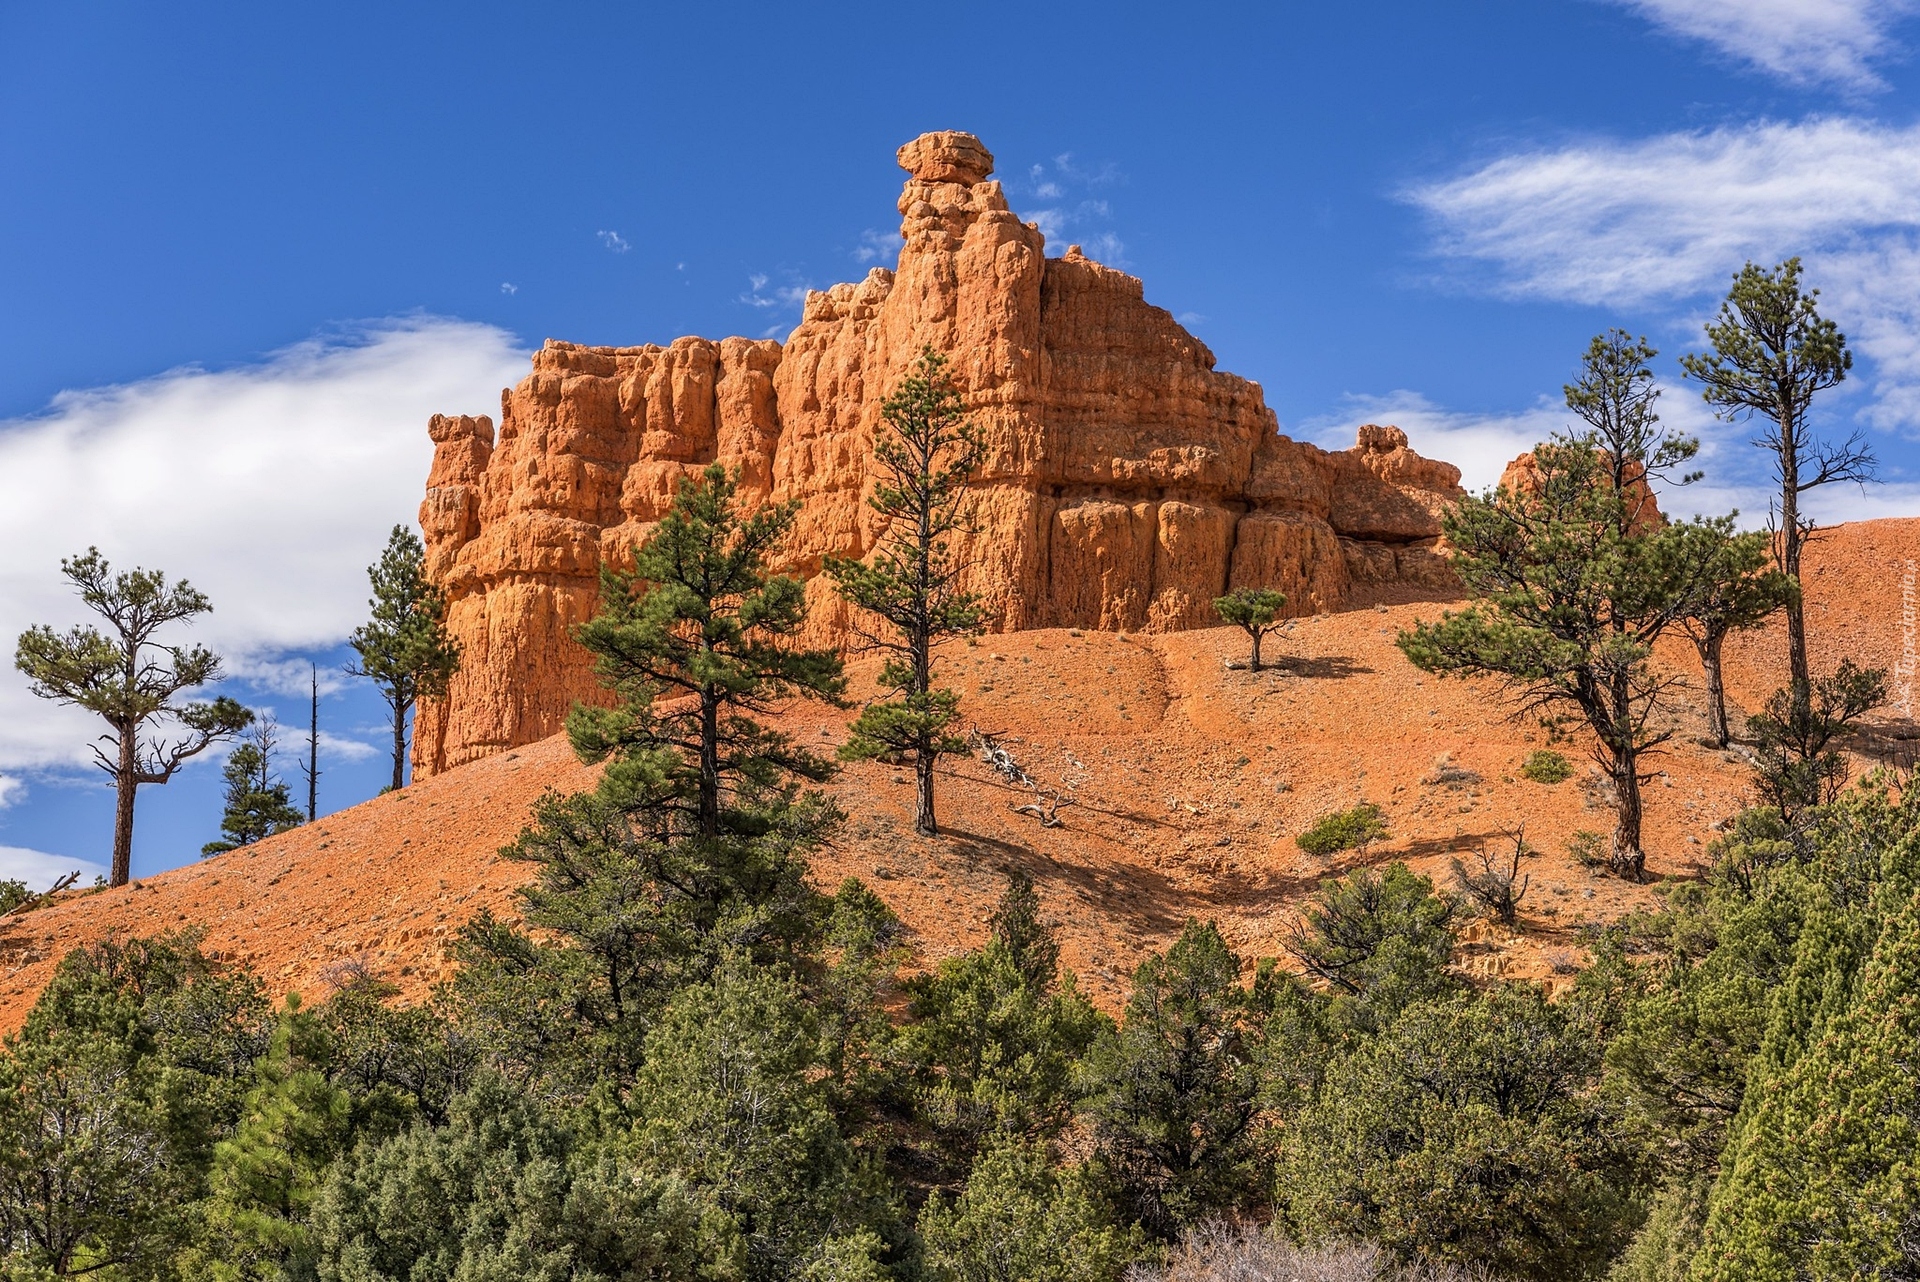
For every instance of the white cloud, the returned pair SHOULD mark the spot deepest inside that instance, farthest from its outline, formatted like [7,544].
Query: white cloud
[1667,220]
[270,487]
[1482,444]
[876,246]
[1069,215]
[508,287]
[11,790]
[614,241]
[759,294]
[333,747]
[1804,42]
[40,870]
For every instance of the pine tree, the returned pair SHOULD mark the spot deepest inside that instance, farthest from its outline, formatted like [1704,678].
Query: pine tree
[910,583]
[694,842]
[310,769]
[1377,941]
[121,678]
[1173,1096]
[266,1175]
[702,616]
[1772,354]
[257,804]
[1253,611]
[1825,1183]
[1578,579]
[997,1033]
[1737,591]
[404,647]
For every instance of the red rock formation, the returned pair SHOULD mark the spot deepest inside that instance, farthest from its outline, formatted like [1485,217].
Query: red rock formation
[1522,476]
[1126,482]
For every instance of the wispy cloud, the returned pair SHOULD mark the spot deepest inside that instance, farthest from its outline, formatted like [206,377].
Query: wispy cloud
[614,241]
[761,292]
[508,287]
[335,747]
[1803,42]
[1665,221]
[270,486]
[1059,202]
[11,790]
[40,870]
[877,246]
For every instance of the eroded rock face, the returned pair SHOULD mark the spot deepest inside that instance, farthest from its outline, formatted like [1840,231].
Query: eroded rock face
[1126,482]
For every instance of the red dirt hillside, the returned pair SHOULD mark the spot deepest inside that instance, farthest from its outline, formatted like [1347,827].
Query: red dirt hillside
[1190,782]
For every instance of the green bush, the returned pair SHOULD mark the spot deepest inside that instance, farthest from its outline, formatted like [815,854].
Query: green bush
[13,893]
[1352,829]
[1546,766]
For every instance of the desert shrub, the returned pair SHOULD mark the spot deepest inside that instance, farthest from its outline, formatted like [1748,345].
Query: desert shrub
[1020,1220]
[1221,1252]
[1546,766]
[1354,829]
[1446,774]
[13,893]
[1588,848]
[1378,941]
[1494,880]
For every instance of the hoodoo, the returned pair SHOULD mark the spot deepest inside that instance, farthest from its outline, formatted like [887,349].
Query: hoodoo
[1126,481]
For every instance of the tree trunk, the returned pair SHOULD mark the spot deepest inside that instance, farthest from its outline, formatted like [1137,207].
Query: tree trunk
[399,746]
[1628,857]
[126,778]
[1709,647]
[1790,538]
[923,820]
[1256,652]
[709,763]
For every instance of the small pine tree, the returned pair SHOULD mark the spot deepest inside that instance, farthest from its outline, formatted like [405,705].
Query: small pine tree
[257,804]
[1796,767]
[1254,611]
[1377,941]
[404,648]
[1737,591]
[694,641]
[911,582]
[1173,1096]
[997,1033]
[264,1178]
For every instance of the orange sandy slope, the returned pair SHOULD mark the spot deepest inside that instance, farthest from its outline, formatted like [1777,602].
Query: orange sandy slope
[1190,781]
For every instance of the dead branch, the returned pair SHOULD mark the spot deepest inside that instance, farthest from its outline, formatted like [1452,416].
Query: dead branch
[43,896]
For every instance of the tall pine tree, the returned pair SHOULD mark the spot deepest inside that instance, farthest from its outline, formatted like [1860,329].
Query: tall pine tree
[404,647]
[911,581]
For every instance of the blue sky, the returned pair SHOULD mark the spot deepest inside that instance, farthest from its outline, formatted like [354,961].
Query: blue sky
[245,250]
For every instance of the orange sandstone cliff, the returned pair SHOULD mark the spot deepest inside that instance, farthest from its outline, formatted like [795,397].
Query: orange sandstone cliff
[1126,481]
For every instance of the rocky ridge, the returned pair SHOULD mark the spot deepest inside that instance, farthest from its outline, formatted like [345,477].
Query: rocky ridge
[1126,481]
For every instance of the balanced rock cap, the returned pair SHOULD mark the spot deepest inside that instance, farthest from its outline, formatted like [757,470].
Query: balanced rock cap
[946,156]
